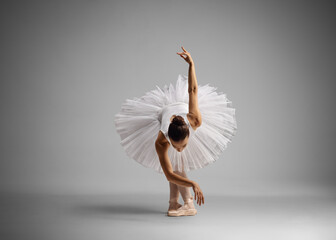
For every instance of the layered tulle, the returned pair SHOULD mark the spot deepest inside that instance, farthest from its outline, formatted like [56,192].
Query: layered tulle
[138,124]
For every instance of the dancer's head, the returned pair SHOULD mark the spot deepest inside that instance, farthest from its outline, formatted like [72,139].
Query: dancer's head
[178,133]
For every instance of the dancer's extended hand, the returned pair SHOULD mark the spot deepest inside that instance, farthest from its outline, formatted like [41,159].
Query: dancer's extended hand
[186,56]
[198,193]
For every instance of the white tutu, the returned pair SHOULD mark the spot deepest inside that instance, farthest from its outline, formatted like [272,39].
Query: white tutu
[139,122]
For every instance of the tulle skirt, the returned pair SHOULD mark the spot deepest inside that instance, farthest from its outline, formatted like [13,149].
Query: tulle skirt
[138,124]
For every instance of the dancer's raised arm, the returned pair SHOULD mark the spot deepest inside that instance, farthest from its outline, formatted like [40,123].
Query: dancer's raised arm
[194,111]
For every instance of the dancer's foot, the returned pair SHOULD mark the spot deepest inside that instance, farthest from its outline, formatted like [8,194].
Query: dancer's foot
[173,206]
[188,209]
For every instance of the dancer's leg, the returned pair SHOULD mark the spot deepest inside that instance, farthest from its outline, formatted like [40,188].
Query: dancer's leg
[185,191]
[188,209]
[174,193]
[173,196]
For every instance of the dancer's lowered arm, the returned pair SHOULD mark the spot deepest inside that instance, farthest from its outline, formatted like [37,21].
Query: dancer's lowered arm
[162,151]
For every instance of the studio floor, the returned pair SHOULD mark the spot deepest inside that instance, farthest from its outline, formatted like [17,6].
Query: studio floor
[143,216]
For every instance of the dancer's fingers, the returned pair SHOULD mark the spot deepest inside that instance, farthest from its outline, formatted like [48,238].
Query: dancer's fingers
[182,57]
[182,53]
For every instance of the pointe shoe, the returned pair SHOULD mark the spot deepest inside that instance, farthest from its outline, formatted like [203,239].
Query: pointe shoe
[173,206]
[187,209]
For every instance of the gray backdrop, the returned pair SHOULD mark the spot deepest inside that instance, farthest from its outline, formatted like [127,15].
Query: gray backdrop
[67,66]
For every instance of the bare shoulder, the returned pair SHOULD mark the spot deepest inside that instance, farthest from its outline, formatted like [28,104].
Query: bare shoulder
[195,120]
[162,140]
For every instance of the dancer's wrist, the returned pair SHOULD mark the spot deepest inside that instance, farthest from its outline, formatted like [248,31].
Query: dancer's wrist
[193,183]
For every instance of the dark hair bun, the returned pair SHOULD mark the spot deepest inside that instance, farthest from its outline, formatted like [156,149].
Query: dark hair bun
[178,121]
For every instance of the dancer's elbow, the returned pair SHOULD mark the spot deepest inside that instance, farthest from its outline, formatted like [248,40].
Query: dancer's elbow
[173,178]
[169,176]
[193,89]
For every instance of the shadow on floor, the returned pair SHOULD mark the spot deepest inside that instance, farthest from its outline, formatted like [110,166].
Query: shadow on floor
[117,209]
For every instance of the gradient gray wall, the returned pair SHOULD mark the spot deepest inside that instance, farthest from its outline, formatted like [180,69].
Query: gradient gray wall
[66,68]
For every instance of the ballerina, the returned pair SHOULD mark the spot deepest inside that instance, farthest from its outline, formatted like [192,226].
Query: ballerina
[192,124]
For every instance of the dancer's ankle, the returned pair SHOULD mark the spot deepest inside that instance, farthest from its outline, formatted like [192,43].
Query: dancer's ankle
[173,201]
[189,200]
